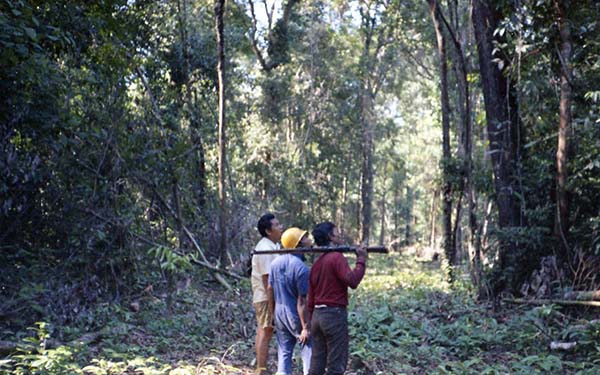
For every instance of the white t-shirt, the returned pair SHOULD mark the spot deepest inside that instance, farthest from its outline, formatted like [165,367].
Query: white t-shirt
[260,267]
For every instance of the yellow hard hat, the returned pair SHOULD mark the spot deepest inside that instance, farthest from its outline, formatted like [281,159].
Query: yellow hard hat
[291,237]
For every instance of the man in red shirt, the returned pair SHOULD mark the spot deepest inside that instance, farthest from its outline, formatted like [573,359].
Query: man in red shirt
[330,277]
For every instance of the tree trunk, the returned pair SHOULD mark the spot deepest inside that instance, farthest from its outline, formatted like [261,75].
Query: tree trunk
[564,128]
[503,132]
[466,127]
[198,145]
[189,107]
[367,183]
[433,219]
[372,73]
[367,146]
[449,248]
[408,216]
[219,10]
[396,200]
[178,215]
[382,205]
[457,232]
[342,219]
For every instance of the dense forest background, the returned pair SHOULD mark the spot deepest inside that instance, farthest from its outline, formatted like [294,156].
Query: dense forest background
[139,139]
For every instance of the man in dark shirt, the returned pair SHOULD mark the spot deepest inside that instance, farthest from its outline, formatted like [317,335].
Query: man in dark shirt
[330,277]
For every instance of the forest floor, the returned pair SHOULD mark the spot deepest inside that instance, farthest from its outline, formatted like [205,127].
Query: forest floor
[404,319]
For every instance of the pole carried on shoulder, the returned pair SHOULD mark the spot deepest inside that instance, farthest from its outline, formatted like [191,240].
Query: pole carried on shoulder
[323,249]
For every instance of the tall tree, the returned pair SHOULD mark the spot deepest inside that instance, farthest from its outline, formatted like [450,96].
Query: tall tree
[271,46]
[377,27]
[449,246]
[219,10]
[465,124]
[564,127]
[503,127]
[190,112]
[408,216]
[366,114]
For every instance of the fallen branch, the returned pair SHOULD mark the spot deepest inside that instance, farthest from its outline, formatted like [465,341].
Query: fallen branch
[593,295]
[554,345]
[222,281]
[551,301]
[187,232]
[204,263]
[12,307]
[7,347]
[193,261]
[214,268]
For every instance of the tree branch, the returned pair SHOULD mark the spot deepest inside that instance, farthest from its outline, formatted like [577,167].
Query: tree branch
[155,109]
[268,65]
[551,301]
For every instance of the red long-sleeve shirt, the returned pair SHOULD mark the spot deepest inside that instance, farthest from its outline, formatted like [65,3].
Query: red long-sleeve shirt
[330,277]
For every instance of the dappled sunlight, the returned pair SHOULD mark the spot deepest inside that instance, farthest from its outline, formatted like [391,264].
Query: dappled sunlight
[63,360]
[212,365]
[405,319]
[150,365]
[386,274]
[140,142]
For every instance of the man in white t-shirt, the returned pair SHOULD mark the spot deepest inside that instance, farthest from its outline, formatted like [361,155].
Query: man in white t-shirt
[270,229]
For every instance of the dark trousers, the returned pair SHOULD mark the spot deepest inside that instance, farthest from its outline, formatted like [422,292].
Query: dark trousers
[330,341]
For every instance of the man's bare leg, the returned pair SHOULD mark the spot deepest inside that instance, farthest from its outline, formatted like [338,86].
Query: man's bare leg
[263,338]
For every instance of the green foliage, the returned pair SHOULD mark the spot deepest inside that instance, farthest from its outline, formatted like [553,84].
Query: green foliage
[405,320]
[529,35]
[108,149]
[200,324]
[35,358]
[171,261]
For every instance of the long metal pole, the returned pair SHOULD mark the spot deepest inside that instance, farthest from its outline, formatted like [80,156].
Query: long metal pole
[324,249]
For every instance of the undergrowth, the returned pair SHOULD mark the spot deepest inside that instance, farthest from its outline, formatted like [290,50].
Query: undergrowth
[407,320]
[404,319]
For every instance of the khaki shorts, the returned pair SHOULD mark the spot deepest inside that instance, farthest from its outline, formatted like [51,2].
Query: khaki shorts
[264,317]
